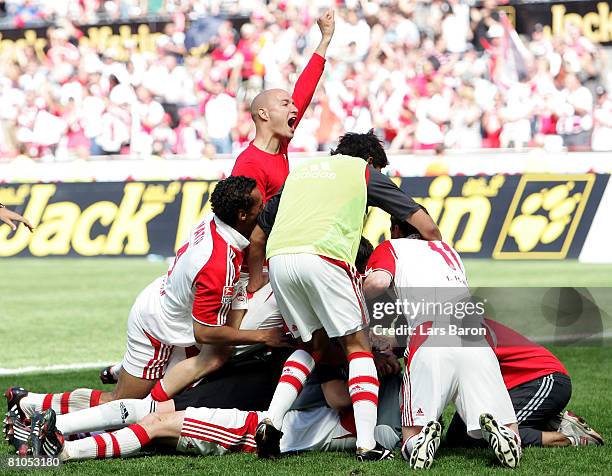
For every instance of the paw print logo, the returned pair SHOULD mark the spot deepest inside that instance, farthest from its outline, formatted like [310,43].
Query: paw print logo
[544,216]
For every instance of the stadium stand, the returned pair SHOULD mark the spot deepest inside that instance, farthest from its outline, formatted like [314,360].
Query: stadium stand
[425,75]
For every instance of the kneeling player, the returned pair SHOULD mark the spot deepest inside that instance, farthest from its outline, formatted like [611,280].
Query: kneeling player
[439,367]
[540,388]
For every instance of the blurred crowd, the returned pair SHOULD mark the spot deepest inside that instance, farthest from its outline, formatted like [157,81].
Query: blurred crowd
[424,74]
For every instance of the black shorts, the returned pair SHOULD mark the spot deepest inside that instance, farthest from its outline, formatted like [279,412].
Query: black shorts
[247,384]
[537,405]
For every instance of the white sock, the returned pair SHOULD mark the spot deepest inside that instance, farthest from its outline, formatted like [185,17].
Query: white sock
[116,369]
[408,446]
[109,416]
[32,403]
[124,442]
[62,403]
[296,370]
[363,388]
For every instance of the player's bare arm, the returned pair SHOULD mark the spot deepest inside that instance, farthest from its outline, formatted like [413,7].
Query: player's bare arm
[226,335]
[426,226]
[327,25]
[257,254]
[376,283]
[210,359]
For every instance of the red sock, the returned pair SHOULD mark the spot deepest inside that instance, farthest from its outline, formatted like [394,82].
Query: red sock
[67,402]
[124,442]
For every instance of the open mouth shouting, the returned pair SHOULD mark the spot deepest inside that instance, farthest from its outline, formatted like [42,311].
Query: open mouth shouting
[292,122]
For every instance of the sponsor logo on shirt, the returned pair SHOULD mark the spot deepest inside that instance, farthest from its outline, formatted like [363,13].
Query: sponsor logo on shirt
[316,171]
[228,293]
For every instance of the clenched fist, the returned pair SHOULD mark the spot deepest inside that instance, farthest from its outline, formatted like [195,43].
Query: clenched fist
[327,23]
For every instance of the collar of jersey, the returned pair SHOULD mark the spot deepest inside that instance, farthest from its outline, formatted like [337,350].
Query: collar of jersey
[230,235]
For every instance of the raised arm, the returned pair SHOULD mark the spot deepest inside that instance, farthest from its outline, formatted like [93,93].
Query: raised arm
[306,84]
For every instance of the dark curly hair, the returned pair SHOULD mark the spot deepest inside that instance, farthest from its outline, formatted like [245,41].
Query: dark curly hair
[366,146]
[407,230]
[363,254]
[232,195]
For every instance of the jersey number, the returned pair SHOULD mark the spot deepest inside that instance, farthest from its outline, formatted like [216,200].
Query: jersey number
[447,254]
[179,253]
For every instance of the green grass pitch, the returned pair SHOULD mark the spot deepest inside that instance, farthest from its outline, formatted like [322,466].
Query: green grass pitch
[72,311]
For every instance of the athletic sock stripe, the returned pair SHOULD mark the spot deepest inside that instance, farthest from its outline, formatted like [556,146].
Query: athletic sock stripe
[297,365]
[47,402]
[360,355]
[364,379]
[140,433]
[94,398]
[64,403]
[116,447]
[101,444]
[365,396]
[291,380]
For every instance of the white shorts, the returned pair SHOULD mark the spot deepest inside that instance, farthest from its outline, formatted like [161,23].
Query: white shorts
[467,376]
[216,431]
[146,356]
[314,292]
[317,429]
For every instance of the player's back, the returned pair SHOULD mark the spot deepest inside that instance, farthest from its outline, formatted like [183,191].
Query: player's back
[423,263]
[430,276]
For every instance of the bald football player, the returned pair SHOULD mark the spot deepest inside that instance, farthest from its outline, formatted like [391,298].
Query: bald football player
[276,114]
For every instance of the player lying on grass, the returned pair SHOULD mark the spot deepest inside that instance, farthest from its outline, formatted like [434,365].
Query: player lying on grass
[205,431]
[190,305]
[539,387]
[441,367]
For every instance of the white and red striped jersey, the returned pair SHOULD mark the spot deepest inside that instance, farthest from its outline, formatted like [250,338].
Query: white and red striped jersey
[427,276]
[419,263]
[201,284]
